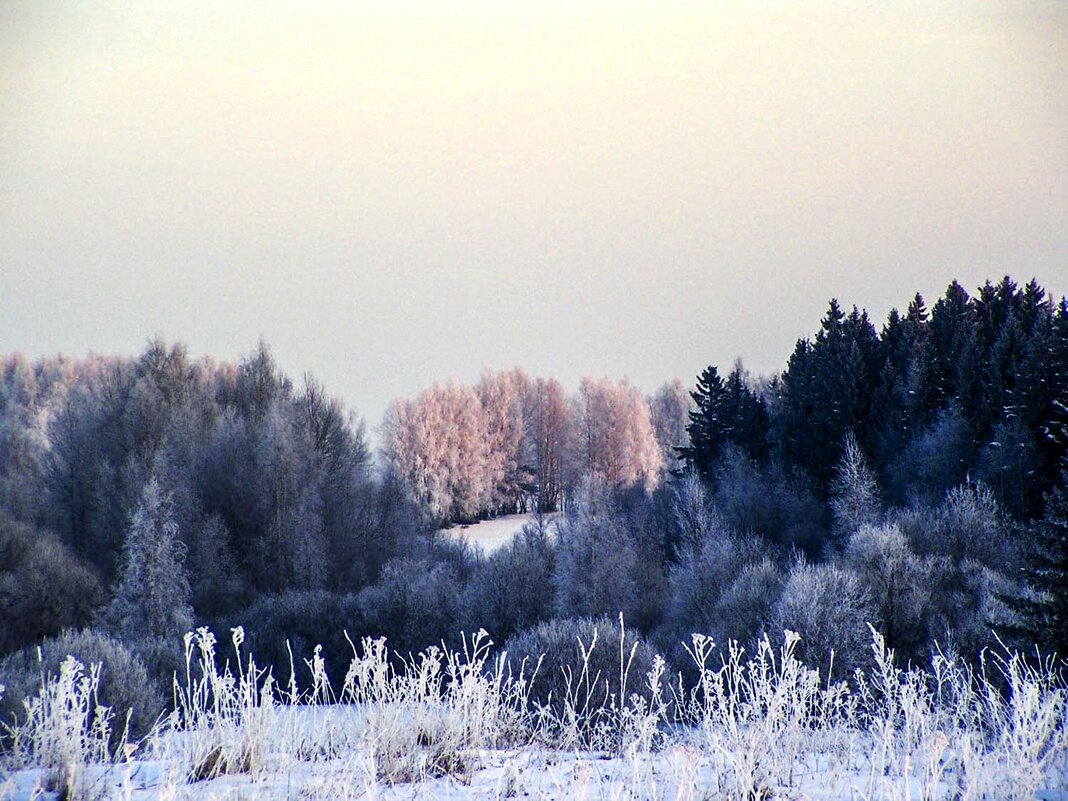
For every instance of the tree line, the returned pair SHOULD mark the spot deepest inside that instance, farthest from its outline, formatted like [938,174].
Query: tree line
[972,390]
[976,388]
[912,478]
[270,487]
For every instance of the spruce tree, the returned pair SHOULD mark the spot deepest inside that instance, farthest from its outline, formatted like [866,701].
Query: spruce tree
[921,381]
[1052,421]
[828,389]
[1045,614]
[727,412]
[888,414]
[152,597]
[708,428]
[747,414]
[952,328]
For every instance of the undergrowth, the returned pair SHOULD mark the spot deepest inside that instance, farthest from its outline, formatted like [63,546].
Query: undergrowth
[754,725]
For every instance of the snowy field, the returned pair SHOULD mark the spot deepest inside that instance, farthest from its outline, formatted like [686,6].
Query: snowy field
[679,773]
[458,725]
[491,535]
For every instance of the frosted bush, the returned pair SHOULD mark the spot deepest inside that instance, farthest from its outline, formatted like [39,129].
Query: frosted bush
[827,606]
[64,730]
[123,684]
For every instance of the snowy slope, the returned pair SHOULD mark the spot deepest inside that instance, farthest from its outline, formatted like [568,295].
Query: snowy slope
[491,535]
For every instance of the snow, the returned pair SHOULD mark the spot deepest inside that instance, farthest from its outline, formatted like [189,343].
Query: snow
[683,771]
[492,535]
[455,724]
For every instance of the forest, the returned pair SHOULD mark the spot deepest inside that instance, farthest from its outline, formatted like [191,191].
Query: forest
[910,476]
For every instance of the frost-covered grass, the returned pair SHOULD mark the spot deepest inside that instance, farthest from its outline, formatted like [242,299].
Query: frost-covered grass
[460,724]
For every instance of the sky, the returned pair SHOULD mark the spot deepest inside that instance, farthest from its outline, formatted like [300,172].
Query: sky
[396,193]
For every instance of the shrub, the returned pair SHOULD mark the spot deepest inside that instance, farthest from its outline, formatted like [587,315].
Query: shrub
[609,558]
[967,525]
[829,608]
[512,589]
[124,685]
[692,517]
[413,604]
[303,619]
[897,582]
[458,554]
[934,461]
[590,659]
[163,659]
[965,604]
[701,576]
[723,589]
[766,500]
[744,610]
[44,587]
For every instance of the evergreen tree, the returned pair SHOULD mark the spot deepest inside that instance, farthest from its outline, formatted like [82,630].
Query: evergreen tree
[796,405]
[708,426]
[862,371]
[923,400]
[1053,428]
[152,598]
[727,412]
[1045,615]
[748,414]
[1034,305]
[979,400]
[888,415]
[952,330]
[1042,394]
[1007,466]
[828,390]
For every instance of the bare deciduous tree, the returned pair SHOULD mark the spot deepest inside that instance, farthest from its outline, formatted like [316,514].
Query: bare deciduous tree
[616,439]
[854,493]
[669,410]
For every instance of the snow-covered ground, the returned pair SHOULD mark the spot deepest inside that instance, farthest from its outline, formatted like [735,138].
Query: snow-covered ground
[491,535]
[458,725]
[686,770]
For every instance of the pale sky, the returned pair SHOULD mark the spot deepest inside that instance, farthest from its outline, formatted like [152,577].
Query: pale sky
[396,193]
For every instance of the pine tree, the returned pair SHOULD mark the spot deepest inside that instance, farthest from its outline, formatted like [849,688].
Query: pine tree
[152,597]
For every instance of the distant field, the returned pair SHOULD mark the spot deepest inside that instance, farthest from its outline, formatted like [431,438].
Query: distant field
[491,535]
